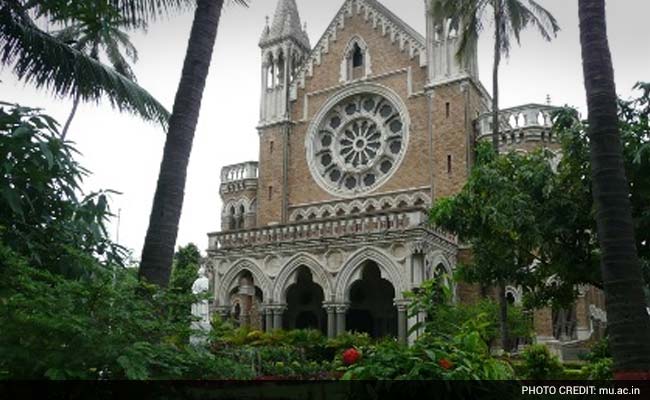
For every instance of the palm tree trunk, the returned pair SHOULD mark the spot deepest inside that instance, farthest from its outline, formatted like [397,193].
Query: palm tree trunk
[495,75]
[628,321]
[158,250]
[75,105]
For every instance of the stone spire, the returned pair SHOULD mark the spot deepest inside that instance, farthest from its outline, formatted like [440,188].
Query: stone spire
[286,25]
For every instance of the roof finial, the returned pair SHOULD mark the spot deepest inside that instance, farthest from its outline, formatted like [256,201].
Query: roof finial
[548,99]
[267,20]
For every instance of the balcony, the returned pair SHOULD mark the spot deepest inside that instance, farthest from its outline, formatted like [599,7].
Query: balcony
[527,123]
[239,177]
[324,231]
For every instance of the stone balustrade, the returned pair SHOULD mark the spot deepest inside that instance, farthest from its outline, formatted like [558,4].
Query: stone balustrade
[335,228]
[239,172]
[518,124]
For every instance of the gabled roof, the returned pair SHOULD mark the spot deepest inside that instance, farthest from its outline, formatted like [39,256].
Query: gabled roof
[397,20]
[381,18]
[286,25]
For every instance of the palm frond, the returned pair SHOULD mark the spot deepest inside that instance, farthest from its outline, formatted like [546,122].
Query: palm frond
[39,59]
[541,18]
[116,59]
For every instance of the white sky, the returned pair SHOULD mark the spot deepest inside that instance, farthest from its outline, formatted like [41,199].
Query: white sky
[124,153]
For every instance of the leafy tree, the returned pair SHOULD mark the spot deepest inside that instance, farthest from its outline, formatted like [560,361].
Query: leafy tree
[184,272]
[44,216]
[186,265]
[496,213]
[158,250]
[63,296]
[628,322]
[45,61]
[108,326]
[510,18]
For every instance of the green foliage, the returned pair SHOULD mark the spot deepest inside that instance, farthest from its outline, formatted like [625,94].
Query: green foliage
[599,362]
[464,356]
[107,326]
[38,58]
[297,354]
[515,210]
[43,214]
[67,308]
[540,364]
[185,268]
[445,319]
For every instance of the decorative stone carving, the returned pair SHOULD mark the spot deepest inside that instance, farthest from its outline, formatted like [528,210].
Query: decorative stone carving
[358,140]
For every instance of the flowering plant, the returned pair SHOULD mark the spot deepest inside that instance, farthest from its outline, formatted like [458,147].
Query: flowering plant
[445,364]
[351,356]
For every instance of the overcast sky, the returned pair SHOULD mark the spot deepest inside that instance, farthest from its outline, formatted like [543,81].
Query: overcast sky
[124,153]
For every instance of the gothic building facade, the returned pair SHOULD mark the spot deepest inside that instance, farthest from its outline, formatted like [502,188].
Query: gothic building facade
[359,134]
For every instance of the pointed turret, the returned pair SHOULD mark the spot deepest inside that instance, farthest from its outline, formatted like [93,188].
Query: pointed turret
[286,26]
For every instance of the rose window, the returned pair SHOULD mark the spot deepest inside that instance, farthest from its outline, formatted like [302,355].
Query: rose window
[357,144]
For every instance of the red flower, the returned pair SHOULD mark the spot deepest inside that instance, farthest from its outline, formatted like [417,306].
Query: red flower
[351,356]
[446,364]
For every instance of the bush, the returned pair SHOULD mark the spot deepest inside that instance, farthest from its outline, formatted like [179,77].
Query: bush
[109,326]
[599,362]
[464,356]
[445,319]
[540,364]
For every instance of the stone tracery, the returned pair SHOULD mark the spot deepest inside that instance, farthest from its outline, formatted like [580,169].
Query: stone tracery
[358,140]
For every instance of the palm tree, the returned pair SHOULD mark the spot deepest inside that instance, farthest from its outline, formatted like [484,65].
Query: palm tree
[628,321]
[38,58]
[158,250]
[510,18]
[98,26]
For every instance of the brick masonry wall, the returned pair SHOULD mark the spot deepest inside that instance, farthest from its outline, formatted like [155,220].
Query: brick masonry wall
[269,199]
[386,57]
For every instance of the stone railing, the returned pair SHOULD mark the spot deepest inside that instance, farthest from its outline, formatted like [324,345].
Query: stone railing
[239,172]
[518,124]
[327,229]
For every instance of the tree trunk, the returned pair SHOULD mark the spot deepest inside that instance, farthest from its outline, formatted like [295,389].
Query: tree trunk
[503,318]
[158,250]
[495,75]
[628,321]
[75,105]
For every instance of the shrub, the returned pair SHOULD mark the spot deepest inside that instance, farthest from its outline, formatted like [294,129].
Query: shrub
[599,362]
[464,356]
[540,364]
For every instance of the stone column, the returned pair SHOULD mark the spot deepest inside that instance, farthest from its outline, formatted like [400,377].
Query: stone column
[331,320]
[402,308]
[277,316]
[583,327]
[341,309]
[268,317]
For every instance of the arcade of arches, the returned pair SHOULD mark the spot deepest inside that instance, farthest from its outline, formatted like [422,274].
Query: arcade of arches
[372,304]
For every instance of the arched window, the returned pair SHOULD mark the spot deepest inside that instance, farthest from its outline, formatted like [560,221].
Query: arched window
[280,70]
[356,64]
[270,73]
[269,76]
[232,224]
[240,217]
[357,56]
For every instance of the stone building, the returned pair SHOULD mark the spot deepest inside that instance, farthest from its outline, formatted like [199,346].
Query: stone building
[359,134]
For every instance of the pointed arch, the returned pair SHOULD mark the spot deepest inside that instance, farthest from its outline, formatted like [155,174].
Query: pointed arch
[287,277]
[229,280]
[356,56]
[353,267]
